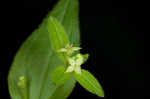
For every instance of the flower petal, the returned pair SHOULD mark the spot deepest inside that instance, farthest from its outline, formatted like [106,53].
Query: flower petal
[71,61]
[77,69]
[79,60]
[70,69]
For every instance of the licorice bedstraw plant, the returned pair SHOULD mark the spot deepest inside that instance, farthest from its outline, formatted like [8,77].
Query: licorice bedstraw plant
[49,62]
[72,62]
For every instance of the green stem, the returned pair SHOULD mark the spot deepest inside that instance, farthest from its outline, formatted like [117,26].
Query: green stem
[65,59]
[24,91]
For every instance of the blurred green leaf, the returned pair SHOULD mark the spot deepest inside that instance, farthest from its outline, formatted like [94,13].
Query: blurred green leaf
[58,76]
[36,60]
[85,57]
[58,36]
[89,82]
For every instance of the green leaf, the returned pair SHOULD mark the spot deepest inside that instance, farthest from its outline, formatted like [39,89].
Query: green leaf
[69,17]
[65,90]
[36,60]
[85,57]
[89,82]
[58,36]
[58,76]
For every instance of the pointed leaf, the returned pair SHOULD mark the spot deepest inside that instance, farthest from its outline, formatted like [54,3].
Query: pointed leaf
[59,76]
[89,82]
[58,36]
[85,57]
[65,90]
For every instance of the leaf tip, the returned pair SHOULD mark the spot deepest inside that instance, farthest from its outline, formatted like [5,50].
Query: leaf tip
[101,94]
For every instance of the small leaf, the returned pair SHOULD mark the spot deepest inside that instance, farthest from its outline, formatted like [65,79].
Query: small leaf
[89,82]
[58,36]
[59,76]
[85,57]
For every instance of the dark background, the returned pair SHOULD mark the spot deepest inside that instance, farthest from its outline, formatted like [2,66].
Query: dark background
[113,32]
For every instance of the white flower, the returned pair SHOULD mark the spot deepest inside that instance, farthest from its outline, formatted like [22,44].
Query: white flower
[69,49]
[75,63]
